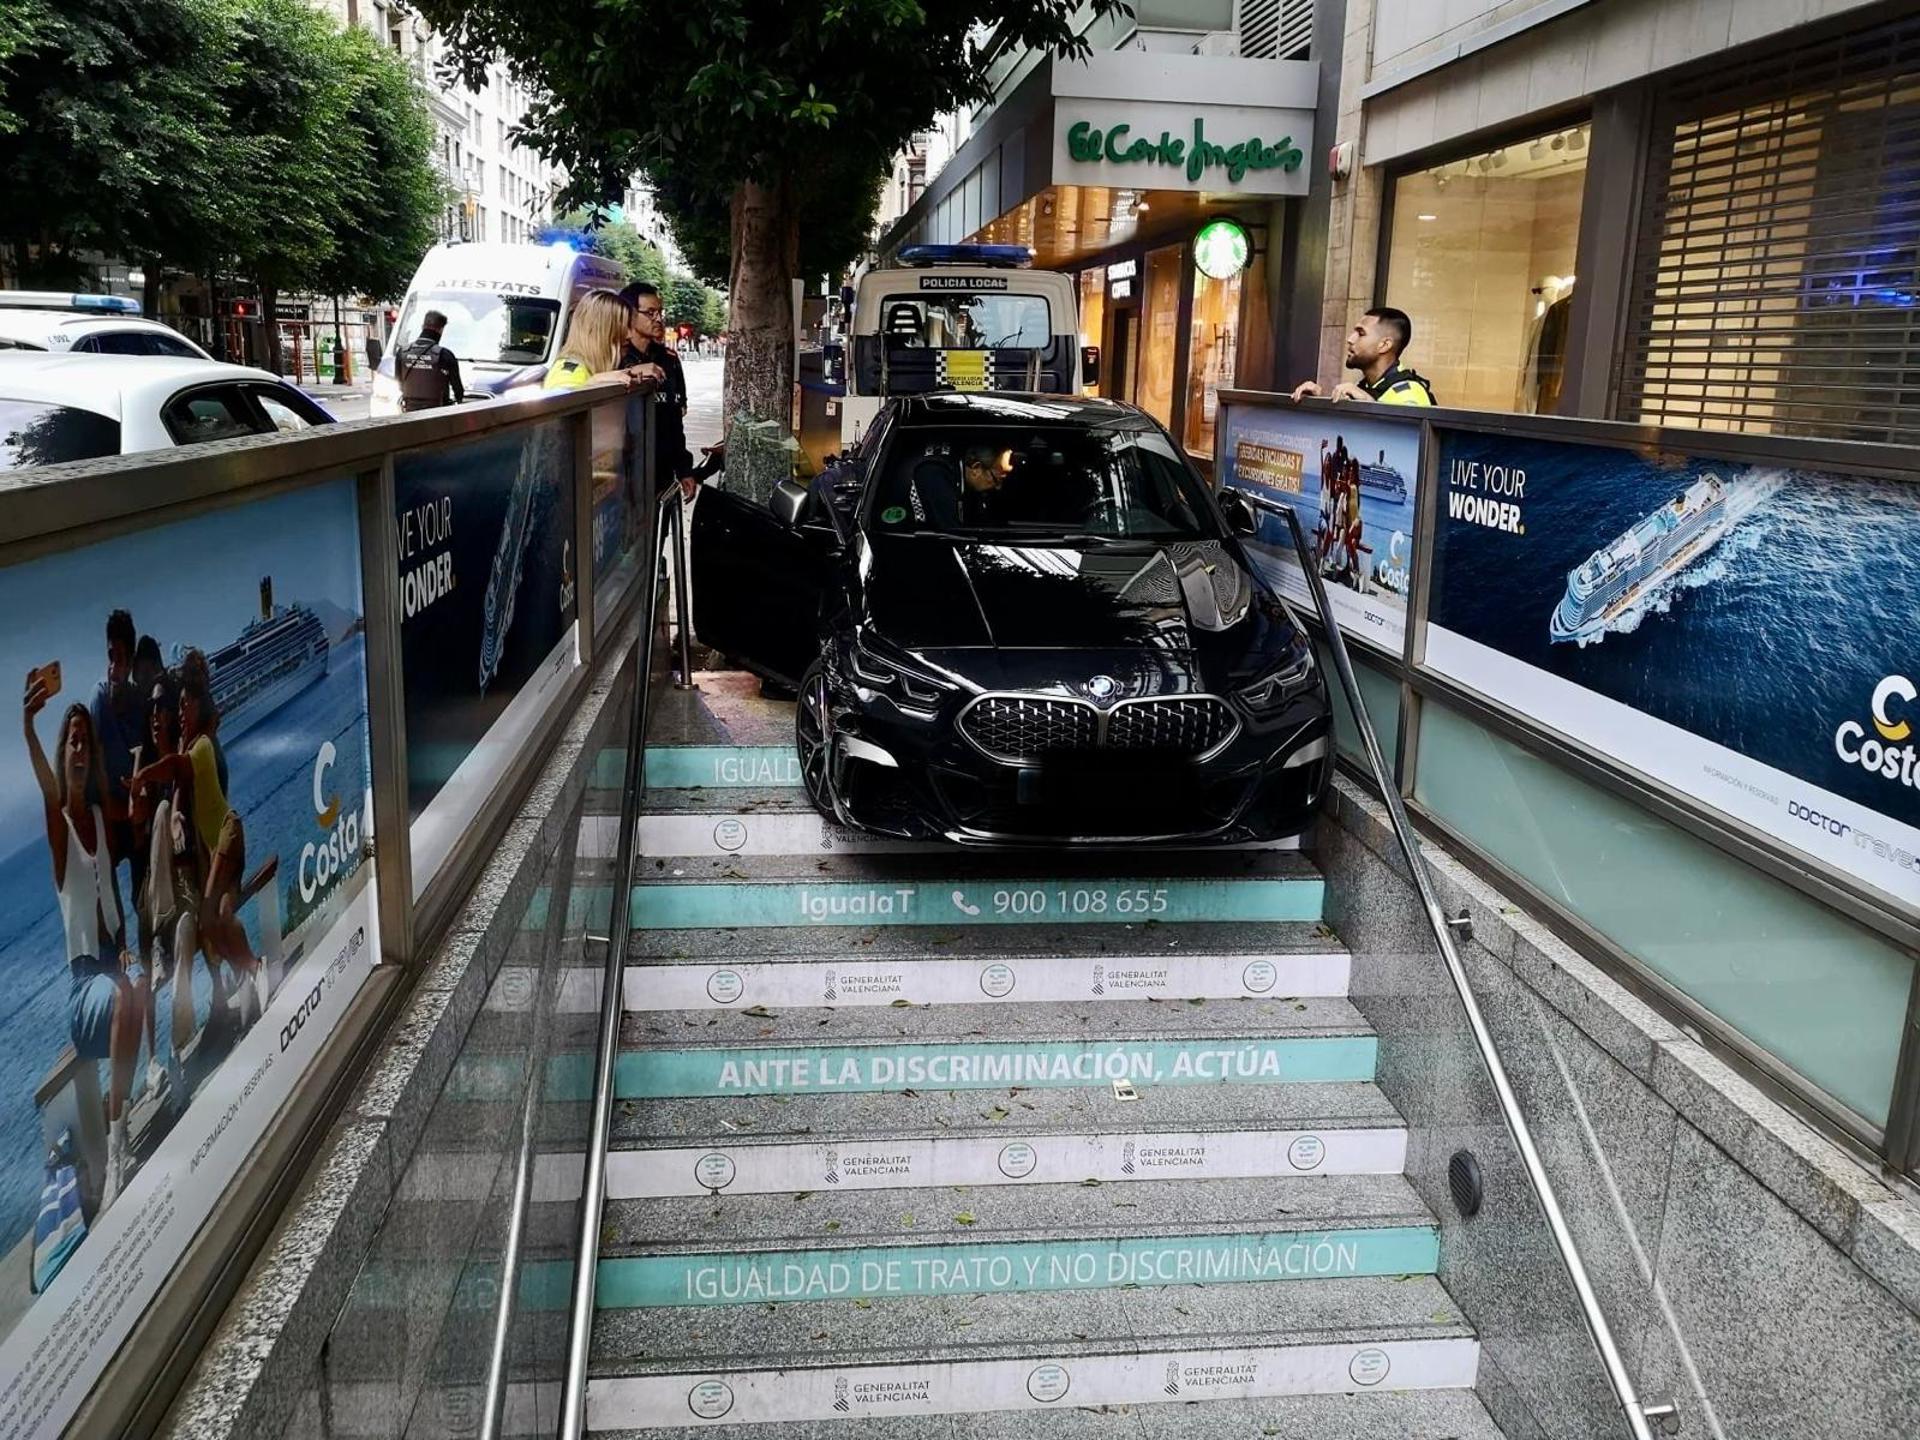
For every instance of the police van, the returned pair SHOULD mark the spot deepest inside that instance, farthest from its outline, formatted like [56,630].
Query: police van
[506,305]
[961,317]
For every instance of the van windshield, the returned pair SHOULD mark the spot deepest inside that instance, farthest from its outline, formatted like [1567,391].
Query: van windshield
[489,328]
[960,319]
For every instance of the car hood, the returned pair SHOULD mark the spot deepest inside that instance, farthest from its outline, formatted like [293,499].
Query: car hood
[1159,617]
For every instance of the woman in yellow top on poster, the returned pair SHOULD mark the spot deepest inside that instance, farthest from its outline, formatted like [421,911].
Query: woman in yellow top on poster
[596,330]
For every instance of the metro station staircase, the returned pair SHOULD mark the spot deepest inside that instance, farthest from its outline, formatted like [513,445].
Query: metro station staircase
[918,1142]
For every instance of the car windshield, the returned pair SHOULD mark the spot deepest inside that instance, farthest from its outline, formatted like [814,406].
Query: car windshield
[1025,482]
[483,326]
[963,320]
[33,432]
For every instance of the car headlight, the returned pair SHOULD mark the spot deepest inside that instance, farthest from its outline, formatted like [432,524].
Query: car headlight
[1283,681]
[887,670]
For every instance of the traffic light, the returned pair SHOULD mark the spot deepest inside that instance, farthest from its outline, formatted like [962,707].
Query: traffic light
[246,309]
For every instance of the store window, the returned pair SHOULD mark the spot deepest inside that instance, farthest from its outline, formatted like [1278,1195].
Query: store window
[1093,310]
[1158,350]
[1482,258]
[1213,342]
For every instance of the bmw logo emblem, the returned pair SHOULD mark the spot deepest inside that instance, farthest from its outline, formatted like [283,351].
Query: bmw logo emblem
[1103,687]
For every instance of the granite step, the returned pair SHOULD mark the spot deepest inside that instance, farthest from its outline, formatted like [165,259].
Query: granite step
[896,1141]
[1138,940]
[1017,1357]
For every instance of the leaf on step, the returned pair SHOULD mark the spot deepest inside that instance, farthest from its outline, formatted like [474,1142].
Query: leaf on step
[629,1108]
[998,1112]
[1181,1310]
[609,1235]
[802,1195]
[832,1225]
[821,1335]
[1197,1000]
[1092,1181]
[1441,1317]
[911,1094]
[781,1099]
[961,1324]
[1300,1005]
[863,1304]
[902,1004]
[1028,1105]
[942,1120]
[1126,1204]
[907,1219]
[759,1012]
[966,1217]
[1079,1334]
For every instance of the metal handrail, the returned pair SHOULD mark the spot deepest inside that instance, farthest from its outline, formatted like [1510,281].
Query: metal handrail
[1627,1395]
[573,1403]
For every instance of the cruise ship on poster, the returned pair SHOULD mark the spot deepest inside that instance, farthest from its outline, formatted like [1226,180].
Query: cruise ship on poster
[275,658]
[1619,576]
[1377,477]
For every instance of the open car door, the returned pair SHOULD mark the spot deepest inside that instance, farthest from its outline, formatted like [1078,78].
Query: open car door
[757,583]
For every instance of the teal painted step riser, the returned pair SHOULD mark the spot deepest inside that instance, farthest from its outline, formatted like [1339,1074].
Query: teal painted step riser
[1067,1065]
[1063,1065]
[730,905]
[699,767]
[1019,1267]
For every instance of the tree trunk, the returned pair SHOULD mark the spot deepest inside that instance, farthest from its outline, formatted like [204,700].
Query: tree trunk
[150,278]
[766,253]
[269,327]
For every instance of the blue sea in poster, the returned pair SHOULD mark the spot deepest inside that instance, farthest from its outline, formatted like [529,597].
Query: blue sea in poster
[307,542]
[1765,642]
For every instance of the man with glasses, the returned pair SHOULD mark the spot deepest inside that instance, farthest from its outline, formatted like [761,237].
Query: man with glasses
[646,345]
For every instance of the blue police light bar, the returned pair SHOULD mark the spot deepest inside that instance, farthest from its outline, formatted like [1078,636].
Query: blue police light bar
[1001,257]
[67,300]
[117,304]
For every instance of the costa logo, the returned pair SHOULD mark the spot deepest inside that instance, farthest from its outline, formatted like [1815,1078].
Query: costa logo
[1888,756]
[324,861]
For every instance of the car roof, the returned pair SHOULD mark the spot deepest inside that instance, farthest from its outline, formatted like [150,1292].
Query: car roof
[110,385]
[951,407]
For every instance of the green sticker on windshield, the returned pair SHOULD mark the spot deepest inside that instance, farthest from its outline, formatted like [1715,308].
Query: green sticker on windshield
[894,514]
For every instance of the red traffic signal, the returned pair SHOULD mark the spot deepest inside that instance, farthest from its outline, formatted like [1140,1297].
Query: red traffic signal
[245,309]
[686,332]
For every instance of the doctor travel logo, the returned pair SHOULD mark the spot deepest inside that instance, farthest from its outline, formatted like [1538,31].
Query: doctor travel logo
[1886,753]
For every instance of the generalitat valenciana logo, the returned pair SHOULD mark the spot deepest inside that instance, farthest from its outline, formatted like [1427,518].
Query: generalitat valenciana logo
[1887,755]
[324,861]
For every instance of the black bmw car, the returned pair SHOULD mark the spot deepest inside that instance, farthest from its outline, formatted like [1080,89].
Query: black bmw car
[1020,620]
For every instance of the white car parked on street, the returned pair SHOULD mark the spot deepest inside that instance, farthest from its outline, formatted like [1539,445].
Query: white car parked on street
[86,325]
[55,408]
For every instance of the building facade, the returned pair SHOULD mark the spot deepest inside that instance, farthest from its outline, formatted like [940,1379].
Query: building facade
[1670,211]
[1696,212]
[501,189]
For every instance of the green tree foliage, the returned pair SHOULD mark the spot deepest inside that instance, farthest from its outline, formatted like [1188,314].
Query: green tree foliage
[685,299]
[764,106]
[247,136]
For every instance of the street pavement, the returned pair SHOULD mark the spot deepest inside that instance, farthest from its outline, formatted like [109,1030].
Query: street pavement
[704,415]
[343,402]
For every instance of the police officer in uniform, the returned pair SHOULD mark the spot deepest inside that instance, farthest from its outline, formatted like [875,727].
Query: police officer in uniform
[1374,348]
[428,372]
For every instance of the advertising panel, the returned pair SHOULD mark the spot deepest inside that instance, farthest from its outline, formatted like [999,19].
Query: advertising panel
[185,899]
[1739,632]
[1352,480]
[488,597]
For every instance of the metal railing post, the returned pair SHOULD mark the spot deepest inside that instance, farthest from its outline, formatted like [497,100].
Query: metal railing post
[573,1399]
[1625,1392]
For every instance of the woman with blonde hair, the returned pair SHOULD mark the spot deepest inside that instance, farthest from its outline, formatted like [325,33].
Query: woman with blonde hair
[596,333]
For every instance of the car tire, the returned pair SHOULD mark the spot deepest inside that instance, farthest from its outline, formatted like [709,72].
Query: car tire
[813,736]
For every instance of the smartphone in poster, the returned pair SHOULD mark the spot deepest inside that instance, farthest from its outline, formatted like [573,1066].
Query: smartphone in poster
[1351,480]
[488,587]
[184,899]
[1741,633]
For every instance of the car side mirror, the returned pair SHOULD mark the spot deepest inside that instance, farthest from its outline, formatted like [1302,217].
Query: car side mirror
[789,502]
[1089,365]
[1240,515]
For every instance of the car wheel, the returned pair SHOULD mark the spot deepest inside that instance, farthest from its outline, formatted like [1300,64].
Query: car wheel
[813,736]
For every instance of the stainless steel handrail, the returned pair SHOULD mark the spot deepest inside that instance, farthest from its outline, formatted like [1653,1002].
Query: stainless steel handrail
[1625,1392]
[573,1403]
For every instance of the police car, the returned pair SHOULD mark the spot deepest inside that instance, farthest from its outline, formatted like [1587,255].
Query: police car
[962,317]
[55,408]
[52,321]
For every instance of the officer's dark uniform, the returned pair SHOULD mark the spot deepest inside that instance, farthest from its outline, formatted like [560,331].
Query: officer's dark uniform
[428,373]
